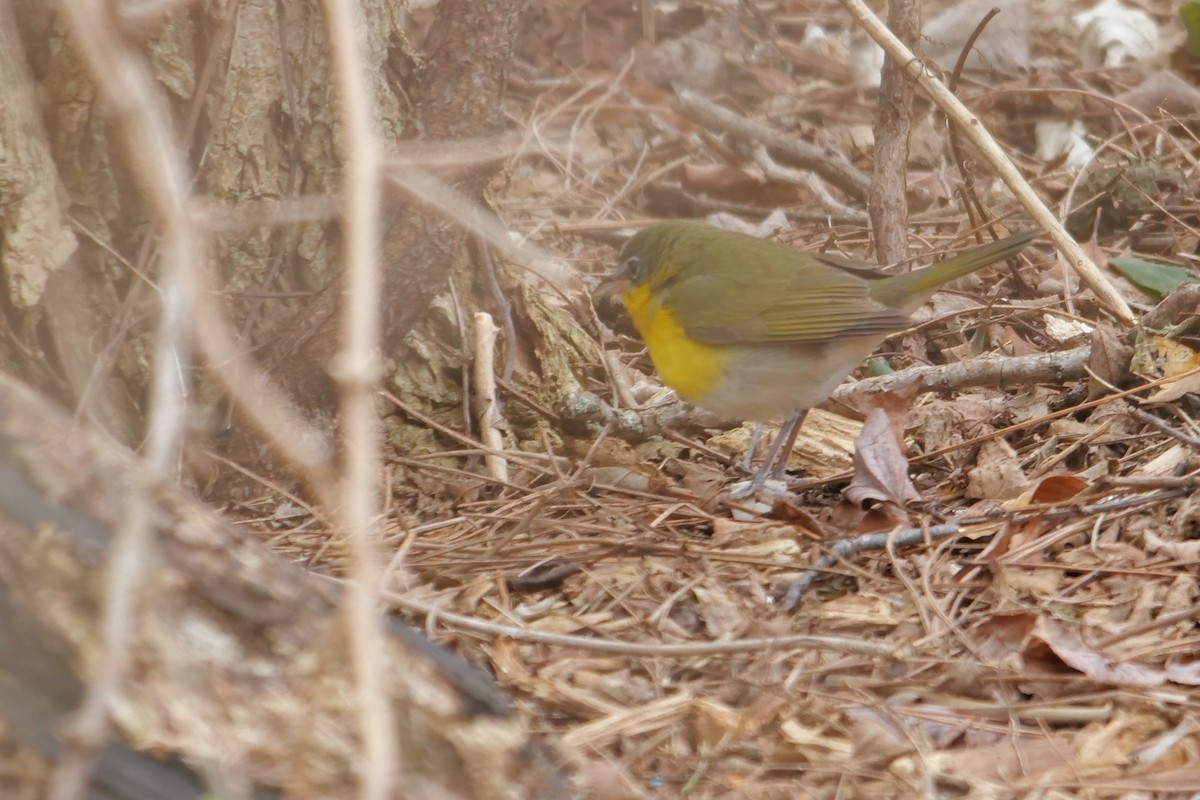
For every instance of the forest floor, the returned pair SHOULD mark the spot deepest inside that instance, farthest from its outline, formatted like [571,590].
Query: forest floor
[1026,624]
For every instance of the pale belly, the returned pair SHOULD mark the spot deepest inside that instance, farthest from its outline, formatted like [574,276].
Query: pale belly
[769,383]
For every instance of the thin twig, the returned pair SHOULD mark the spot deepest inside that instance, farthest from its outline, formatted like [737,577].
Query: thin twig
[1184,299]
[844,549]
[433,615]
[1000,372]
[1160,425]
[585,408]
[485,395]
[436,193]
[1164,621]
[910,537]
[1016,426]
[357,374]
[134,97]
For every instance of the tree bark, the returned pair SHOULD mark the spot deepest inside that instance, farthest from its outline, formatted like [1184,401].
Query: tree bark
[254,101]
[457,95]
[887,203]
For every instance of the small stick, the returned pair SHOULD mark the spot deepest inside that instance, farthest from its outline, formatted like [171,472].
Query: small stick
[998,372]
[485,395]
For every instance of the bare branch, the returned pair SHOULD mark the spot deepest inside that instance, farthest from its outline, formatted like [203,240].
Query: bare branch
[165,178]
[357,375]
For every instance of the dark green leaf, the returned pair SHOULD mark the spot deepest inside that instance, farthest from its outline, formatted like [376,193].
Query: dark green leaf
[1150,275]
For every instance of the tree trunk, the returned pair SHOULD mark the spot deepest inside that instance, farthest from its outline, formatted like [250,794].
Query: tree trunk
[251,88]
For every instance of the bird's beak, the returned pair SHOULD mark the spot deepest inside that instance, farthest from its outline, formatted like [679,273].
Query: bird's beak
[615,284]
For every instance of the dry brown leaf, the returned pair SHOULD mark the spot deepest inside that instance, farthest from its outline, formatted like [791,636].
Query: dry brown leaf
[1050,490]
[943,305]
[849,138]
[815,740]
[1185,523]
[714,724]
[878,740]
[1110,743]
[1178,358]
[801,522]
[742,185]
[1057,489]
[722,615]
[654,716]
[997,473]
[702,479]
[608,780]
[880,465]
[1069,645]
[1186,551]
[1022,582]
[988,771]
[637,478]
[695,60]
[1003,46]
[1000,637]
[726,531]
[942,423]
[1163,90]
[1173,390]
[1014,344]
[1167,462]
[1108,363]
[857,610]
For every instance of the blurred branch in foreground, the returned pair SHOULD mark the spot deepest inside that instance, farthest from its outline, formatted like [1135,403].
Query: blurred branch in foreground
[239,660]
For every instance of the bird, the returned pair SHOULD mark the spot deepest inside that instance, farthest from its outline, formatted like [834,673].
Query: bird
[758,330]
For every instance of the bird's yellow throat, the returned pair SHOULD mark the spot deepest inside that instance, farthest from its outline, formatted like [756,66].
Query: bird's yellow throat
[689,367]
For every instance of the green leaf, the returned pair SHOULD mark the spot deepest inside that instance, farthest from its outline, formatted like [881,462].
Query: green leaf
[877,367]
[1190,14]
[1152,276]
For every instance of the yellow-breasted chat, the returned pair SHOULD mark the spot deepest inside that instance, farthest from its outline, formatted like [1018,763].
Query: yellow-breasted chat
[757,330]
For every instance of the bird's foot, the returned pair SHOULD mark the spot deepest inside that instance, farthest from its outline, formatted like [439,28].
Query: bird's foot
[756,498]
[757,487]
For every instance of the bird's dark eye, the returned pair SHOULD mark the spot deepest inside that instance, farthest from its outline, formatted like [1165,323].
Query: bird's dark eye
[635,268]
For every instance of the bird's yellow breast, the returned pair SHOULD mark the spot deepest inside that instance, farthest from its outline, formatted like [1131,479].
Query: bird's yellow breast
[689,367]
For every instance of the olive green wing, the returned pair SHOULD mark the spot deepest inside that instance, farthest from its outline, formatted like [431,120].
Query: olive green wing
[777,297]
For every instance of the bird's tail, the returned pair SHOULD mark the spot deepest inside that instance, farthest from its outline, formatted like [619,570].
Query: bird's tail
[910,290]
